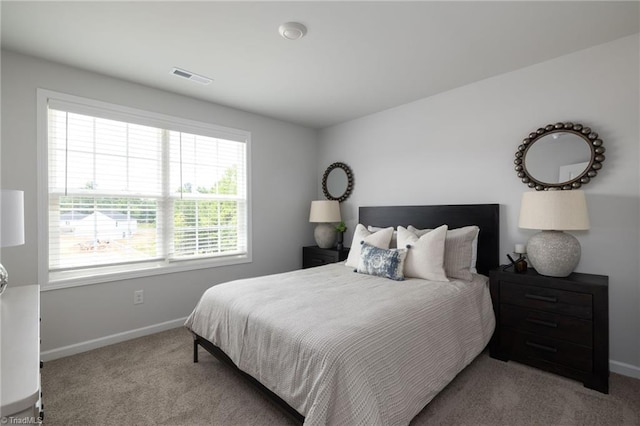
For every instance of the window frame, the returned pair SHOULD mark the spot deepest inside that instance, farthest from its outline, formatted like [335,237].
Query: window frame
[101,274]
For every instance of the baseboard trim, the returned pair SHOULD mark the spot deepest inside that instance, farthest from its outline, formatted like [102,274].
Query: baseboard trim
[614,366]
[88,345]
[624,369]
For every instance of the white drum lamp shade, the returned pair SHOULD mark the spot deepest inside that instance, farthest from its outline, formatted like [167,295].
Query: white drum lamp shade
[12,218]
[325,212]
[553,252]
[11,225]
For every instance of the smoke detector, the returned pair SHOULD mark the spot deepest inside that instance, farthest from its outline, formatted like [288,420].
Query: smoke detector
[292,30]
[191,76]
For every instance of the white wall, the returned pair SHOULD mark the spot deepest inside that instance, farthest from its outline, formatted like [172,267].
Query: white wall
[282,186]
[458,148]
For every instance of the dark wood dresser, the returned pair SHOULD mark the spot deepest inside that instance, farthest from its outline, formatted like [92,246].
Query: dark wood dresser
[316,256]
[556,324]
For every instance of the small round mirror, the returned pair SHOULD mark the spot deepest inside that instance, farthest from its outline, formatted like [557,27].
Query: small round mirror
[337,182]
[561,155]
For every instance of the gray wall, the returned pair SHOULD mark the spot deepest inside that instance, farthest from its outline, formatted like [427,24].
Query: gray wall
[282,189]
[458,148]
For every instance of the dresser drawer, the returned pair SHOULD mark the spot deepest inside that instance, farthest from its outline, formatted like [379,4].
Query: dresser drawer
[529,347]
[547,299]
[548,324]
[558,324]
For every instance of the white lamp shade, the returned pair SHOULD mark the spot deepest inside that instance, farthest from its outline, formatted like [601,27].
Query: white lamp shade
[324,211]
[554,210]
[11,218]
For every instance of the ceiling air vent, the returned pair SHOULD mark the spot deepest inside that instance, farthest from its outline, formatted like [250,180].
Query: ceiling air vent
[191,76]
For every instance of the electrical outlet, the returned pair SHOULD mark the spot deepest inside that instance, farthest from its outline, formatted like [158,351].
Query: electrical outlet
[138,297]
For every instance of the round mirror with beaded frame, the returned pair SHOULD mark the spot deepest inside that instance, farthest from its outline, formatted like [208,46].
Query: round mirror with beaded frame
[581,175]
[342,193]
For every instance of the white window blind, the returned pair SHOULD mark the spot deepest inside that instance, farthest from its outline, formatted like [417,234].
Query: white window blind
[126,189]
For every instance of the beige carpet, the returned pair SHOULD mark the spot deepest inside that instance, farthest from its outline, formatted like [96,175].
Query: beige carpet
[153,381]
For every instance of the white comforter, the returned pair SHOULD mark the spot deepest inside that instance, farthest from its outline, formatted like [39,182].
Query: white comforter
[344,348]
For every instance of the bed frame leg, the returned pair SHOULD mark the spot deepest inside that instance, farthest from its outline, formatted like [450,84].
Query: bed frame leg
[195,350]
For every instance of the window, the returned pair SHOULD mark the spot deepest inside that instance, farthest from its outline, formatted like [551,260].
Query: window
[129,190]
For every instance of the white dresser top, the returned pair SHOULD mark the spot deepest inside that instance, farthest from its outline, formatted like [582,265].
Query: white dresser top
[20,348]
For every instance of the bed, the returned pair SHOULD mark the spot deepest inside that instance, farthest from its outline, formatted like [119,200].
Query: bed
[331,346]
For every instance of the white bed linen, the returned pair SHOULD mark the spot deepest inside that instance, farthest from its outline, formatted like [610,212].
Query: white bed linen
[344,348]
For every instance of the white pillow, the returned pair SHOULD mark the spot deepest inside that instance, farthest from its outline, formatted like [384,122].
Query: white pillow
[461,251]
[425,258]
[380,239]
[394,238]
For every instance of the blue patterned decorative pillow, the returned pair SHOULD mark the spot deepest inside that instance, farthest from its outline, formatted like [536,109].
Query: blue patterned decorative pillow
[382,262]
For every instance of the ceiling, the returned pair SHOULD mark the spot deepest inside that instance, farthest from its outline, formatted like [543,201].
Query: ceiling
[356,59]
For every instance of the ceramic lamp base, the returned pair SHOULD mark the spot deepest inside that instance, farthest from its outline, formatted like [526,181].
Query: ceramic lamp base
[553,253]
[325,235]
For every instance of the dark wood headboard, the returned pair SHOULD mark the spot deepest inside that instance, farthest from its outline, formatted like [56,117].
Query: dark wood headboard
[485,216]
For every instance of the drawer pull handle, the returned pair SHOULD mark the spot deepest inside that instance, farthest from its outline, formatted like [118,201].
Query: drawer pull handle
[543,298]
[541,322]
[541,347]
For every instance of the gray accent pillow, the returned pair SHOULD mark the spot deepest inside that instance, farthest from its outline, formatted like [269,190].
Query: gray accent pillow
[458,251]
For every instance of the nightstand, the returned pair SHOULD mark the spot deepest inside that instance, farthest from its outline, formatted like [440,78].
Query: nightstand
[316,256]
[559,325]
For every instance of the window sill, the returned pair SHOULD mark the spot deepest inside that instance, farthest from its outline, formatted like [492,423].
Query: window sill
[77,278]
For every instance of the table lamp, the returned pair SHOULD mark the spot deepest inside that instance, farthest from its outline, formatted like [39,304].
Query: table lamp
[11,225]
[324,213]
[553,252]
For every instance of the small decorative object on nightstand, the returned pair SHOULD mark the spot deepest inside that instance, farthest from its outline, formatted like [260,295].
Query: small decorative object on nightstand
[341,228]
[316,256]
[555,324]
[520,264]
